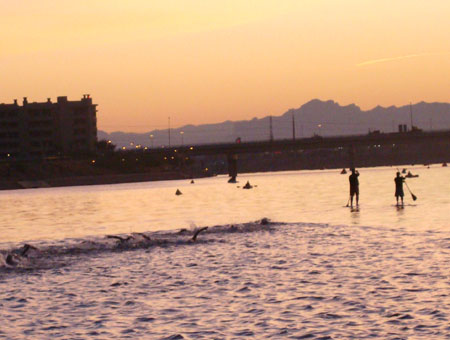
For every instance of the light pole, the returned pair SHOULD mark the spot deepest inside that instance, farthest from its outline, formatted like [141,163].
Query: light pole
[319,126]
[151,139]
[182,140]
[168,130]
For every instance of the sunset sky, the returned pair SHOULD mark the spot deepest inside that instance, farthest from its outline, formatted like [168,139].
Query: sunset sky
[203,61]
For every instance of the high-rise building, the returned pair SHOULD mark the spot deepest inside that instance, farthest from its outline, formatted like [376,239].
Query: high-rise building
[36,130]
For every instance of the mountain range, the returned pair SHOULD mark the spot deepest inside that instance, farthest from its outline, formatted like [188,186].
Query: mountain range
[324,118]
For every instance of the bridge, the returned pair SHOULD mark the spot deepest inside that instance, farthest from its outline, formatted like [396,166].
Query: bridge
[415,141]
[317,142]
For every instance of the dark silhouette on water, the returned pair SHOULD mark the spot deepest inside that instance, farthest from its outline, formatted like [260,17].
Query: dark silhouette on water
[247,185]
[26,248]
[178,192]
[354,186]
[198,231]
[264,221]
[144,236]
[343,171]
[10,260]
[410,175]
[399,180]
[121,240]
[184,231]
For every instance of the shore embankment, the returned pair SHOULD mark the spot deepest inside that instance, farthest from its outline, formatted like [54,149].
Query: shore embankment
[25,175]
[89,180]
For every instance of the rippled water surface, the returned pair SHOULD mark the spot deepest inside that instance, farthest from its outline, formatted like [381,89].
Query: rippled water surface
[318,271]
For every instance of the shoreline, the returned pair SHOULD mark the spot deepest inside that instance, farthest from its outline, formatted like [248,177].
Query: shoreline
[17,184]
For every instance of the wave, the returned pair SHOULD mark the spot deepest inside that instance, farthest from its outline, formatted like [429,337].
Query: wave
[47,255]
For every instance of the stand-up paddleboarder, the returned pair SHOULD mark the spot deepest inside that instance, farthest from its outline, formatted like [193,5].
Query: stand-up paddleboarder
[354,187]
[399,180]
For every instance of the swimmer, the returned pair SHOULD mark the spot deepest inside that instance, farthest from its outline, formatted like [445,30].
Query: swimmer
[198,231]
[247,185]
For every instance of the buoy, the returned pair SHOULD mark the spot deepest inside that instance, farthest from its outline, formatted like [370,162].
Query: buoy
[178,192]
[247,185]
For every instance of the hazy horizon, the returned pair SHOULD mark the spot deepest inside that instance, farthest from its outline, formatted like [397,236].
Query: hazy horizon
[211,62]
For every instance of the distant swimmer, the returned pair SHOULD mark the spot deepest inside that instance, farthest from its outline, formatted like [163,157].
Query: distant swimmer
[26,248]
[192,181]
[265,221]
[10,260]
[144,236]
[410,175]
[399,180]
[198,231]
[354,186]
[178,192]
[343,172]
[121,240]
[247,185]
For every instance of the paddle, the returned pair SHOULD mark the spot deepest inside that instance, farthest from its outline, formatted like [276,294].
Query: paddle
[414,197]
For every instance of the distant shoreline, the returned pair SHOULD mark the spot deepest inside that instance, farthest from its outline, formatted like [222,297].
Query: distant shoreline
[16,184]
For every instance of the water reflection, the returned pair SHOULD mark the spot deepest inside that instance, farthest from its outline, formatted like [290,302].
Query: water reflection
[400,214]
[297,196]
[355,216]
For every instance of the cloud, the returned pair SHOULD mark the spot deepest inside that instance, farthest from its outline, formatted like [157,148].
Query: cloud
[385,60]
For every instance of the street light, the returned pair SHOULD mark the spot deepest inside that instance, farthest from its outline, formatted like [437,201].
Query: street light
[319,126]
[151,139]
[182,140]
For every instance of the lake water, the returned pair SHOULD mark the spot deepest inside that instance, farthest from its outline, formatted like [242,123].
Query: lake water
[317,271]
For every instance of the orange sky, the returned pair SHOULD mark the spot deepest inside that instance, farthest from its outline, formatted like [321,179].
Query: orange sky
[208,61]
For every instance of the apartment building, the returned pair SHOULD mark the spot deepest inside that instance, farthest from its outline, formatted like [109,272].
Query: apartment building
[36,130]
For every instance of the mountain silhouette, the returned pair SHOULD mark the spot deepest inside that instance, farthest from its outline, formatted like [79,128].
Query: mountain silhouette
[325,118]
